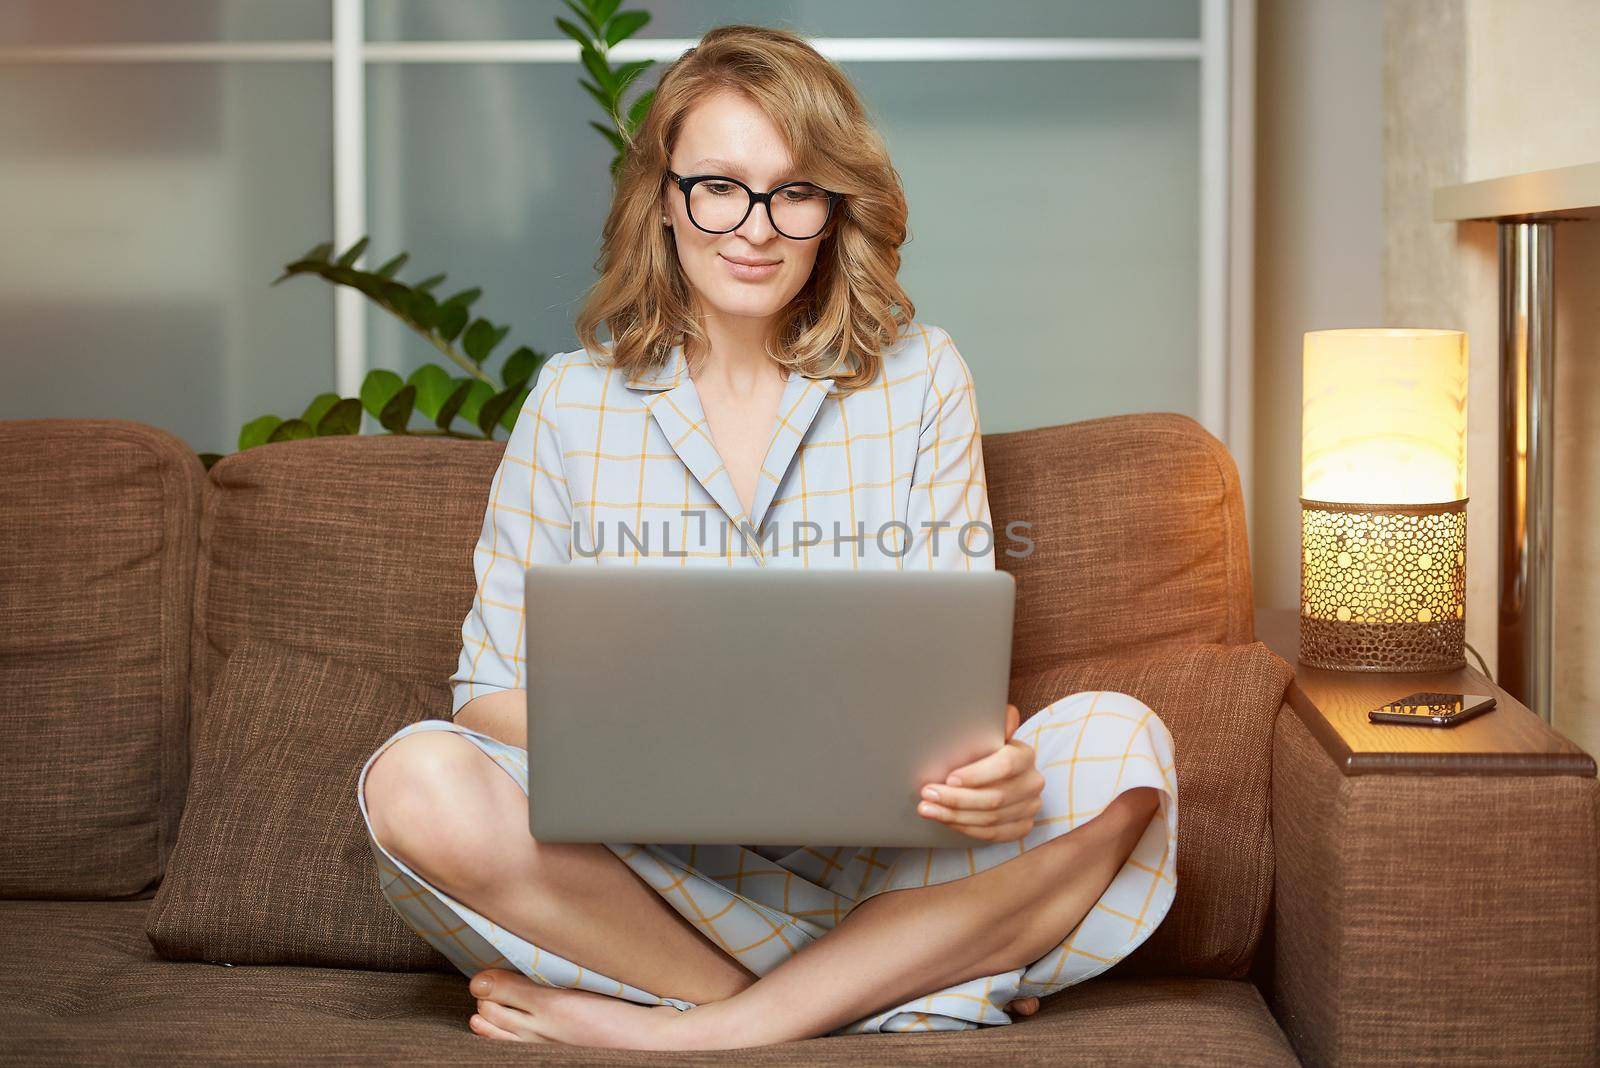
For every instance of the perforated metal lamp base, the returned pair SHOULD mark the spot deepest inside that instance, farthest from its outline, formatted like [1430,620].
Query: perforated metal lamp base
[1383,586]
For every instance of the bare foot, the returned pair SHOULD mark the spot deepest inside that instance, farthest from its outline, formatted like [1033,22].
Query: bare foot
[513,1007]
[1023,1006]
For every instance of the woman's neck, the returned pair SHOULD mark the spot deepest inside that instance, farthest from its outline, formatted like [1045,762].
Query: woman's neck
[737,361]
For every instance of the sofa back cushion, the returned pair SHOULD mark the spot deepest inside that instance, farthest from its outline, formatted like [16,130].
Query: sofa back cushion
[358,548]
[1220,703]
[1139,537]
[361,547]
[98,523]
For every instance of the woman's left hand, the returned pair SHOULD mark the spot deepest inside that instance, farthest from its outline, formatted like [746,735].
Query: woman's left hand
[994,798]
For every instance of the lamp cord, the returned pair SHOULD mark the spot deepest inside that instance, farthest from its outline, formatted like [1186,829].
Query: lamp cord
[1481,665]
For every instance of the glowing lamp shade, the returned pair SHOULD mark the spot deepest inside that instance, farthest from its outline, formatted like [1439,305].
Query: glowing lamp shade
[1383,500]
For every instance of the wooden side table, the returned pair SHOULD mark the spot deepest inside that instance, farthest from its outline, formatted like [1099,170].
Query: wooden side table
[1435,891]
[1507,740]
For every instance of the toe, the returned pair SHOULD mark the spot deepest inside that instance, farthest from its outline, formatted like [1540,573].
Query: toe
[513,1022]
[479,1026]
[483,982]
[508,988]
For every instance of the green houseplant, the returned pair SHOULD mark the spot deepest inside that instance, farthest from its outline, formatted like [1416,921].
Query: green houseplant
[472,402]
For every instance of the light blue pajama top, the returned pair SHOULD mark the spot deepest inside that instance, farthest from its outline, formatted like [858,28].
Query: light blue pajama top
[607,468]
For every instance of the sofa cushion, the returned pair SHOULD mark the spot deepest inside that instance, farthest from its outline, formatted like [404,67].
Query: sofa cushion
[84,988]
[98,523]
[1138,531]
[1220,703]
[361,547]
[273,864]
[358,547]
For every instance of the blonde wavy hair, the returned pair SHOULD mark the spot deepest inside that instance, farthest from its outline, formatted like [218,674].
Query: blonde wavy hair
[851,309]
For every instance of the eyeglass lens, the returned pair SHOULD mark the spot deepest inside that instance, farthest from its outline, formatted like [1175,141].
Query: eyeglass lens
[798,211]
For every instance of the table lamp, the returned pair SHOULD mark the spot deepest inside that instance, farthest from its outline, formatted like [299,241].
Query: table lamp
[1383,506]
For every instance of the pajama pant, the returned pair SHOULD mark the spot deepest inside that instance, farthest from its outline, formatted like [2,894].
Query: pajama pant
[763,907]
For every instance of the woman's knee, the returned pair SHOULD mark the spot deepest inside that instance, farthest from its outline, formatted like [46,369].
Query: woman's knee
[430,799]
[1087,705]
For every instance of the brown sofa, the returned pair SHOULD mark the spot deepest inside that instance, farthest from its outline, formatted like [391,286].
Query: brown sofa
[194,663]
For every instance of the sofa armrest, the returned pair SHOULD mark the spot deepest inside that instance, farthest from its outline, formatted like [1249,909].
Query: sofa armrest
[1424,917]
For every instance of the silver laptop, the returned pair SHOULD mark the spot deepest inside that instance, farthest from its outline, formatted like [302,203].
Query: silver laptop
[760,705]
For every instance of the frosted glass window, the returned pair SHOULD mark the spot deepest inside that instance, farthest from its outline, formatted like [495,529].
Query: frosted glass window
[147,208]
[1072,289]
[148,205]
[535,19]
[512,201]
[63,22]
[1054,227]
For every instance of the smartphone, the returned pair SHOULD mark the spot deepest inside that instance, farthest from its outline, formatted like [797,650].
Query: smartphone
[1427,708]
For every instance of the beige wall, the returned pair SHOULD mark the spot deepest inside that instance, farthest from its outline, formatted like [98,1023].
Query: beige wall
[1363,109]
[1319,236]
[1478,89]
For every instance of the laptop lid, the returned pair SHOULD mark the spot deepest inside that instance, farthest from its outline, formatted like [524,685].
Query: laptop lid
[723,705]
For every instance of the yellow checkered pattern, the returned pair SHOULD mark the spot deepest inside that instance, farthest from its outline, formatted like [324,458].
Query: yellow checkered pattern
[1089,746]
[602,466]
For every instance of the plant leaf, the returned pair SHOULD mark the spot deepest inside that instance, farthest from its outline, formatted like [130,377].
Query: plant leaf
[583,13]
[367,282]
[481,337]
[610,134]
[388,269]
[629,71]
[255,431]
[508,418]
[573,32]
[453,403]
[451,318]
[311,261]
[344,276]
[604,9]
[378,389]
[353,253]
[431,281]
[433,388]
[394,295]
[463,298]
[640,108]
[598,70]
[291,430]
[600,97]
[319,407]
[209,459]
[624,24]
[521,366]
[423,310]
[494,408]
[397,413]
[342,418]
[480,392]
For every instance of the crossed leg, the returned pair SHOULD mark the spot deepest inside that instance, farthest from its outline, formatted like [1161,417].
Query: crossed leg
[439,803]
[888,949]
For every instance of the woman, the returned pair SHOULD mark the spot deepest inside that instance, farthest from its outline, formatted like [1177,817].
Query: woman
[767,400]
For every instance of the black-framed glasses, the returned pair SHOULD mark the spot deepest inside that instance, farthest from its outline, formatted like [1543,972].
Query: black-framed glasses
[718,204]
